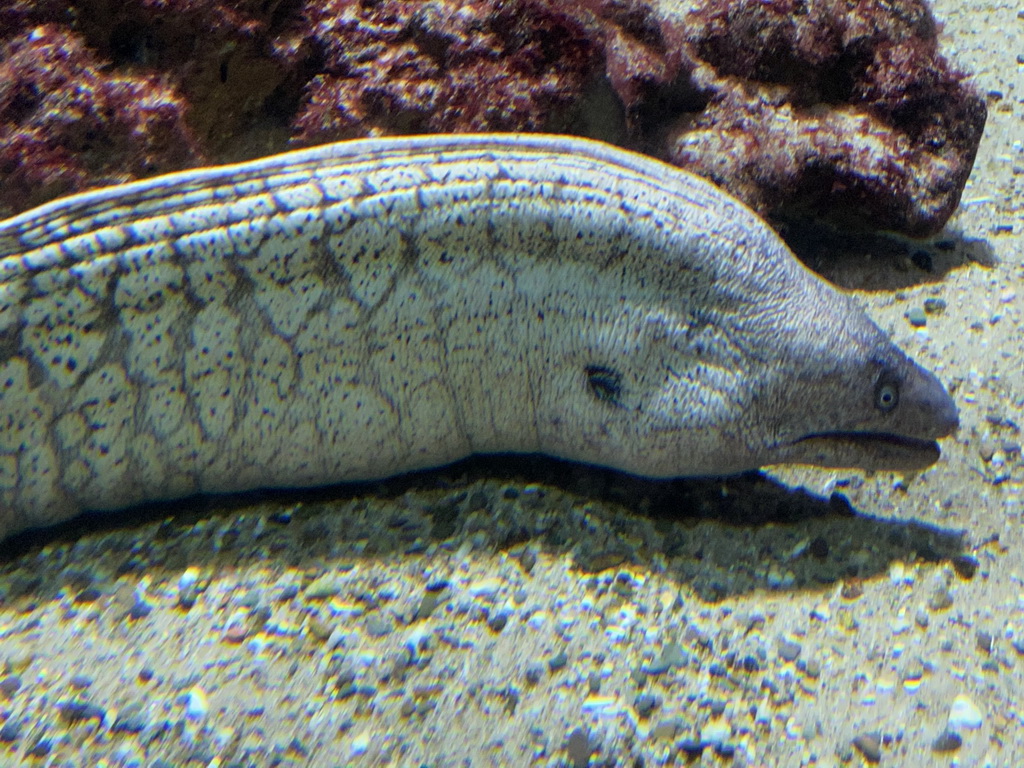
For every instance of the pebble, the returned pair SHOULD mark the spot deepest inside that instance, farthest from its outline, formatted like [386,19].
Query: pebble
[578,748]
[913,675]
[947,741]
[1018,645]
[428,604]
[899,624]
[692,748]
[486,589]
[645,704]
[984,641]
[88,595]
[716,731]
[188,579]
[726,751]
[986,448]
[287,593]
[236,630]
[41,748]
[789,649]
[187,597]
[196,704]
[131,719]
[360,744]
[139,610]
[668,729]
[852,589]
[869,745]
[779,579]
[75,711]
[528,560]
[811,668]
[940,599]
[324,587]
[378,626]
[498,620]
[672,655]
[964,713]
[965,566]
[716,706]
[10,685]
[558,661]
[601,706]
[10,731]
[80,682]
[537,620]
[917,317]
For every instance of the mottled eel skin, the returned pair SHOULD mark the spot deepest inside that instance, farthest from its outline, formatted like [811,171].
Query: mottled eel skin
[370,307]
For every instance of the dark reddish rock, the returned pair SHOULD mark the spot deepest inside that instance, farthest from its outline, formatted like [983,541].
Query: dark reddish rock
[793,106]
[67,121]
[840,105]
[403,67]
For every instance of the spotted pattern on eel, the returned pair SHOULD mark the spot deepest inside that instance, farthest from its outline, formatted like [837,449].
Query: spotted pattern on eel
[370,307]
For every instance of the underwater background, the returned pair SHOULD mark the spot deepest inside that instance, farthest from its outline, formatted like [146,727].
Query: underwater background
[526,611]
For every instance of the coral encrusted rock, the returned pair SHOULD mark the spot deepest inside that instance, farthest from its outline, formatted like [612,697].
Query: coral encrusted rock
[67,122]
[823,106]
[838,105]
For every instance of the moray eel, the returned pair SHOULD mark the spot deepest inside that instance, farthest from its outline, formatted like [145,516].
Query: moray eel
[371,307]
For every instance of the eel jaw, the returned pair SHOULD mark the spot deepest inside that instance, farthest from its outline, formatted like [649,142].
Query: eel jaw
[863,450]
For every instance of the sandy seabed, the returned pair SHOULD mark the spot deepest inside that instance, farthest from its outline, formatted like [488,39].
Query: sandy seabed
[531,612]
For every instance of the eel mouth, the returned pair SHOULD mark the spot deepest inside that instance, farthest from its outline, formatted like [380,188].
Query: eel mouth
[880,451]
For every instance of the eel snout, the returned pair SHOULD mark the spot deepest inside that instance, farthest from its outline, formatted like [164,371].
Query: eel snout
[903,440]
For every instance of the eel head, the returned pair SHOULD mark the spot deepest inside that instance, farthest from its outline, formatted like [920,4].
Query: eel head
[878,411]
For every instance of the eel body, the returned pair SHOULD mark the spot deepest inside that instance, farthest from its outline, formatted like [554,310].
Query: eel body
[366,308]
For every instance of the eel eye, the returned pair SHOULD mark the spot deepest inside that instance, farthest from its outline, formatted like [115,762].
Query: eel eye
[604,383]
[887,395]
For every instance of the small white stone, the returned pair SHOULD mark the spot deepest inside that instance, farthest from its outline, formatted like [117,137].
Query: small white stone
[716,731]
[417,640]
[899,625]
[896,572]
[188,578]
[196,704]
[538,620]
[764,710]
[964,713]
[601,706]
[360,744]
[348,609]
[885,684]
[485,588]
